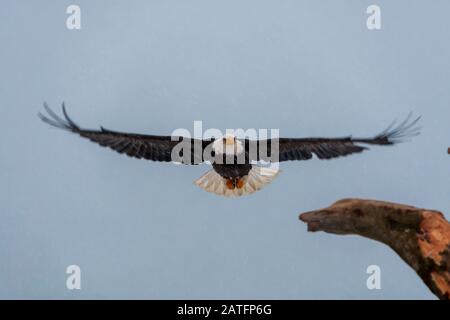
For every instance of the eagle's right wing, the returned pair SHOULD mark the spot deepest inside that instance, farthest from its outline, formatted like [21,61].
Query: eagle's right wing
[141,146]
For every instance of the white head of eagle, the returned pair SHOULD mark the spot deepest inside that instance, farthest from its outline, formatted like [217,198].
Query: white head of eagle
[235,179]
[228,145]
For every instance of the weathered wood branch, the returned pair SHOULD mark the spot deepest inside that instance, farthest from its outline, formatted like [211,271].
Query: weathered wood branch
[420,237]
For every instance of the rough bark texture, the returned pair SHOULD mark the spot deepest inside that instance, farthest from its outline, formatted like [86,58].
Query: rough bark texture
[420,237]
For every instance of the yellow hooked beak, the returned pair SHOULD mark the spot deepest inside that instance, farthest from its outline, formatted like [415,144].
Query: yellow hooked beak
[229,141]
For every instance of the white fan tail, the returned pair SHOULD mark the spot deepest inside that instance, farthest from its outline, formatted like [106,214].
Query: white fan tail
[256,179]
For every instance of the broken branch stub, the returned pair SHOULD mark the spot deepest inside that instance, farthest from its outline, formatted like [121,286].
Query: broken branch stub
[420,237]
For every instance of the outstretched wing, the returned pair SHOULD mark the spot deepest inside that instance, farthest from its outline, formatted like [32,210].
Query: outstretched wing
[328,148]
[150,147]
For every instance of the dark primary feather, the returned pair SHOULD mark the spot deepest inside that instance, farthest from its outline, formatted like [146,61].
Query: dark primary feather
[327,148]
[150,147]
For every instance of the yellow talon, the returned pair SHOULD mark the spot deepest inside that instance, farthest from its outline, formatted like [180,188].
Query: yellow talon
[230,184]
[240,183]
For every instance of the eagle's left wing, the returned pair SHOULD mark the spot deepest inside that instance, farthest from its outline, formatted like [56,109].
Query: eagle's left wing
[141,146]
[327,148]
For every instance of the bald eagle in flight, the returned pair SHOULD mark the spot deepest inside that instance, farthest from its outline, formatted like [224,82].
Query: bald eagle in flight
[234,161]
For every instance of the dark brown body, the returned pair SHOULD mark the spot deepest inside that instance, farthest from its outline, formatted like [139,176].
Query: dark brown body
[232,171]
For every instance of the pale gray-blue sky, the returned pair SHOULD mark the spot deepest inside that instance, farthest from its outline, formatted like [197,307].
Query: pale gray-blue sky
[142,230]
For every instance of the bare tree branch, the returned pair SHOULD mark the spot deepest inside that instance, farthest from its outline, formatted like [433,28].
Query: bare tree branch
[420,237]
